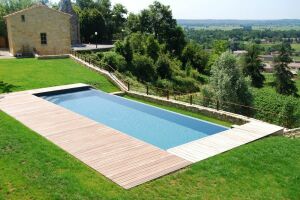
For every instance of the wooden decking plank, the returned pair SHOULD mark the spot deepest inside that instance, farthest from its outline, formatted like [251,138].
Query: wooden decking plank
[224,141]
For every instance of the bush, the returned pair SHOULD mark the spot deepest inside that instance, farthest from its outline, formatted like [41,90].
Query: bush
[144,68]
[272,107]
[185,84]
[116,61]
[229,85]
[164,68]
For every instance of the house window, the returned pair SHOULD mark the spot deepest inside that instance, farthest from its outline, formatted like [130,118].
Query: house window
[23,18]
[43,38]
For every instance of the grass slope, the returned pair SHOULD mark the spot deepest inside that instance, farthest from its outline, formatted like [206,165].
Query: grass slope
[32,73]
[33,168]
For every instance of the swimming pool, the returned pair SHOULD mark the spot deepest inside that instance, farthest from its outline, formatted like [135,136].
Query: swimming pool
[161,128]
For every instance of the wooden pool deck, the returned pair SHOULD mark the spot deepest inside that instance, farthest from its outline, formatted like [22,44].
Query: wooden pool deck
[218,143]
[123,159]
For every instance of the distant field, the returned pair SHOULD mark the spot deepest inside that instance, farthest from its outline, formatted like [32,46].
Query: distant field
[268,45]
[224,28]
[277,28]
[296,58]
[232,27]
[296,47]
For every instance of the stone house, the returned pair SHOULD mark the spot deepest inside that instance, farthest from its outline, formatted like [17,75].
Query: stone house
[39,29]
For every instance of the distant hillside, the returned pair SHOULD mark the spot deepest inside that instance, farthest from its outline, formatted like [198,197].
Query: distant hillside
[213,22]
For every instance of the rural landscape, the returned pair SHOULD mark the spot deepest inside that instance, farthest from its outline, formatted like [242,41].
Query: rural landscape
[98,101]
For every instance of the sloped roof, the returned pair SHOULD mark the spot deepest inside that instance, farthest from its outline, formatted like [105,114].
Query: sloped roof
[34,7]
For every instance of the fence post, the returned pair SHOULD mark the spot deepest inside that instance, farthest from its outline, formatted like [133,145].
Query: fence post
[128,86]
[168,94]
[191,99]
[147,90]
[218,105]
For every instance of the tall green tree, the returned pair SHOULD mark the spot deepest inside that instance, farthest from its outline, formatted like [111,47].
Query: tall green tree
[284,83]
[91,21]
[194,54]
[144,68]
[124,49]
[3,12]
[253,66]
[158,20]
[152,47]
[85,4]
[164,67]
[228,84]
[119,13]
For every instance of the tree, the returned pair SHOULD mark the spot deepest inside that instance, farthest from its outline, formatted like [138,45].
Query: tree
[91,21]
[284,83]
[3,12]
[114,61]
[119,18]
[228,84]
[85,4]
[124,49]
[253,66]
[144,68]
[219,47]
[132,24]
[195,55]
[164,68]
[152,47]
[158,20]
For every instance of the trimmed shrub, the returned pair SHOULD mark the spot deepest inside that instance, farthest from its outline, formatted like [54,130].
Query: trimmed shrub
[116,61]
[144,68]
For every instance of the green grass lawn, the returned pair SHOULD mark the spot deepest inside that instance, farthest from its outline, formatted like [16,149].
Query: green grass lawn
[28,74]
[33,168]
[296,46]
[184,112]
[296,58]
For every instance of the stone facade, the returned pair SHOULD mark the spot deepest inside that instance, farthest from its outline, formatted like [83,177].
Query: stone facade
[66,6]
[39,29]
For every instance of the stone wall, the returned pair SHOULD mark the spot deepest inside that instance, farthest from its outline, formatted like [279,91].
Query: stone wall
[25,35]
[218,114]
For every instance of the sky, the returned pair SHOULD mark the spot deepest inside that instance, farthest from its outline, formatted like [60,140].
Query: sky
[223,9]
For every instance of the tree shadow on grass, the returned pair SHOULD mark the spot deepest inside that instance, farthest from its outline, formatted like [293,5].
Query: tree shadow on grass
[6,87]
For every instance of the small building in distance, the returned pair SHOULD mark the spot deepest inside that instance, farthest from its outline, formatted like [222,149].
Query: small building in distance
[240,52]
[39,29]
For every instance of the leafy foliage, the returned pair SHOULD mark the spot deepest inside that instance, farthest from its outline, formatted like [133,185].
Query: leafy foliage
[195,55]
[253,66]
[276,108]
[229,85]
[158,20]
[283,77]
[144,68]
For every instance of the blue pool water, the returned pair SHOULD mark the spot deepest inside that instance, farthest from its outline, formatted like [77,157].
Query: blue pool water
[156,126]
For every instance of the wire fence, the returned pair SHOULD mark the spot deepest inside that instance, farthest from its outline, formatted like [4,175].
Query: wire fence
[199,99]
